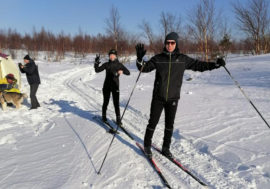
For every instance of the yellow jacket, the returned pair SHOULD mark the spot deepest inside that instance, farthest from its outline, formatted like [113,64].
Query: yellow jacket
[13,90]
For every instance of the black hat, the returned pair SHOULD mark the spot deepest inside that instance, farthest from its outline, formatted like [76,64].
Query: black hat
[27,57]
[113,51]
[172,36]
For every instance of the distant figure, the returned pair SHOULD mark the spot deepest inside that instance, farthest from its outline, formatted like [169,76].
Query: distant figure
[111,84]
[32,75]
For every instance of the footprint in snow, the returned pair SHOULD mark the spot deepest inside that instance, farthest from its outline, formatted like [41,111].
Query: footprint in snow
[44,128]
[85,184]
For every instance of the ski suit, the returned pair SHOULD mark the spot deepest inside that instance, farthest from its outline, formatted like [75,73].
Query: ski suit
[111,83]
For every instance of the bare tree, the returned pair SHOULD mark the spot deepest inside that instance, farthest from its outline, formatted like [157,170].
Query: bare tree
[170,23]
[224,29]
[225,44]
[267,43]
[147,33]
[13,42]
[113,26]
[253,19]
[202,26]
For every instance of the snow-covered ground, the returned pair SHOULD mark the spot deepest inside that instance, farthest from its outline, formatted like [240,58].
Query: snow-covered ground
[218,136]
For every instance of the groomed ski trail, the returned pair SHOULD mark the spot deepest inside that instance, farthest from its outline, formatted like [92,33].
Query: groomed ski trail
[202,165]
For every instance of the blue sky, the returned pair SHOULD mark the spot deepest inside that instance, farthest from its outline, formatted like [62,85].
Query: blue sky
[90,15]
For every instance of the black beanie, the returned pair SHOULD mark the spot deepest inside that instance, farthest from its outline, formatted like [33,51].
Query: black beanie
[27,57]
[172,36]
[113,51]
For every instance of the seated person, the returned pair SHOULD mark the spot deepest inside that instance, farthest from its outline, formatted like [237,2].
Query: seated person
[9,84]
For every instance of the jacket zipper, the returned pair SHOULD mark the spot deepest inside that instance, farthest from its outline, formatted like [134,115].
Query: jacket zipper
[169,77]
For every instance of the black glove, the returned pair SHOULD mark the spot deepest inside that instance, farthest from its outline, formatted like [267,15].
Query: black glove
[220,62]
[140,51]
[20,65]
[97,59]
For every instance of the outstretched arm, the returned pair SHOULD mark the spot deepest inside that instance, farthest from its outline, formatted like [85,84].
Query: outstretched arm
[201,66]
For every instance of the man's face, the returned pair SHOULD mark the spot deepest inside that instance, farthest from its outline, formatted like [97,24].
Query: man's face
[112,57]
[26,61]
[170,45]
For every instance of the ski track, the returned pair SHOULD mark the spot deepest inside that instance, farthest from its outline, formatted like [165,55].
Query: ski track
[84,144]
[197,162]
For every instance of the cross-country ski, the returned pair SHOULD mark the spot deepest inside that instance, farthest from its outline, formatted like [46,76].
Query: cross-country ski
[135,94]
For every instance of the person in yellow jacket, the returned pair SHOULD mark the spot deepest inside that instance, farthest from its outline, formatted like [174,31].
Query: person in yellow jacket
[9,84]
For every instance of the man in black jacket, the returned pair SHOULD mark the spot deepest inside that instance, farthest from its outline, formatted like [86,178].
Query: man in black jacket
[170,66]
[32,75]
[111,84]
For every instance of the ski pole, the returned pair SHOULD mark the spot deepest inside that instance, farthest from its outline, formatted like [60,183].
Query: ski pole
[248,99]
[121,120]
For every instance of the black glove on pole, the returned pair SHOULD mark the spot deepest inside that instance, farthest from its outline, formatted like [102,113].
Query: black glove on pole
[220,62]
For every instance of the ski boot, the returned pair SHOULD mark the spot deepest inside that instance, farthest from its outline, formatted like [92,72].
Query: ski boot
[118,121]
[166,152]
[104,119]
[148,152]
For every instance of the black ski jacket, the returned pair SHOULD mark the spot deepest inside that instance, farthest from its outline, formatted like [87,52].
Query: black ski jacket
[31,70]
[170,69]
[112,78]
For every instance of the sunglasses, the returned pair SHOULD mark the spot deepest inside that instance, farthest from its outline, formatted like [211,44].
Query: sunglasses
[170,42]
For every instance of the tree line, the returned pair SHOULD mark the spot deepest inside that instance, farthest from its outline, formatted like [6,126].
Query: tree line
[206,35]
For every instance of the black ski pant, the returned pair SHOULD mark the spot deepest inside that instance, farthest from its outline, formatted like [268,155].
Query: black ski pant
[106,99]
[157,106]
[33,92]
